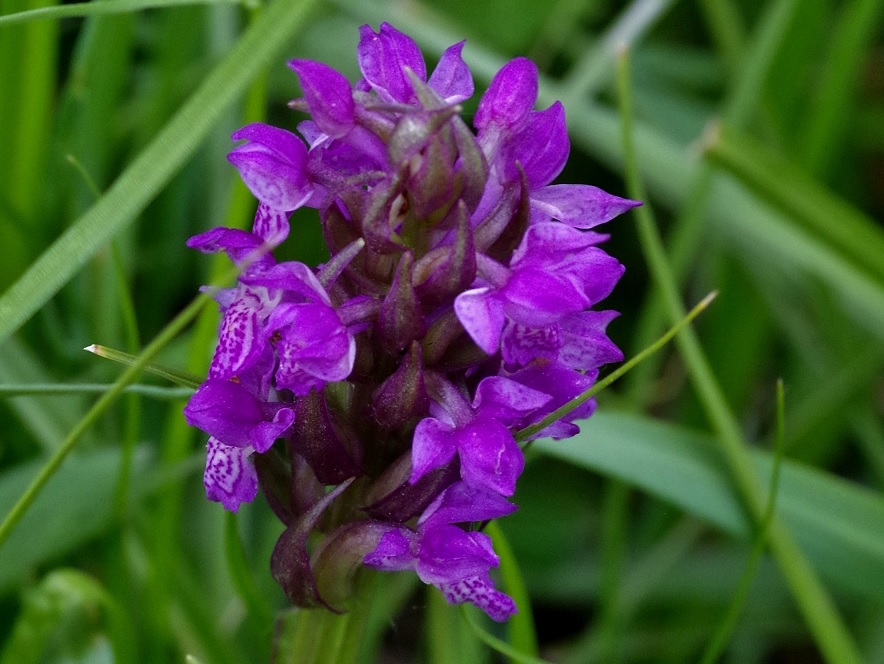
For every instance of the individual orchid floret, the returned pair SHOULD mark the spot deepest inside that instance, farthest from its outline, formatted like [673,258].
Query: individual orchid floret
[229,413]
[313,344]
[477,433]
[442,554]
[557,271]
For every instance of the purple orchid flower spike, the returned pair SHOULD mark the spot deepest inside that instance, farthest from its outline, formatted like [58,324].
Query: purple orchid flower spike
[458,305]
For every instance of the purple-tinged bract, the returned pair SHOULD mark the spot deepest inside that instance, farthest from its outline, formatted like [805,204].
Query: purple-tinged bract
[457,308]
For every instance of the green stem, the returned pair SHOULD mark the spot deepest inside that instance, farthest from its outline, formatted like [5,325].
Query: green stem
[726,627]
[814,602]
[318,636]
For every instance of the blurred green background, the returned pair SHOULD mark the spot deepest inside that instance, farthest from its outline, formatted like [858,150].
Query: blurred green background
[759,135]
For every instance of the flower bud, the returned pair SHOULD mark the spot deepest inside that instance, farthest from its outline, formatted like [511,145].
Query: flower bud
[400,319]
[403,395]
[316,438]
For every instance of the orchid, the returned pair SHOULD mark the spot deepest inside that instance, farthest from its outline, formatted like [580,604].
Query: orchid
[457,307]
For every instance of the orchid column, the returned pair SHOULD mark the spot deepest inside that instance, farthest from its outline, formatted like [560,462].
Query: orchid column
[374,398]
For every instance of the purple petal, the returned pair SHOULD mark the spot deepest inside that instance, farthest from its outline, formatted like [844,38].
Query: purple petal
[240,341]
[452,79]
[226,411]
[292,277]
[578,205]
[241,246]
[432,447]
[509,98]
[328,95]
[462,503]
[537,298]
[597,273]
[541,148]
[382,57]
[506,400]
[448,554]
[586,346]
[551,246]
[489,456]
[270,225]
[480,591]
[230,478]
[273,165]
[562,384]
[315,347]
[521,343]
[481,313]
[395,551]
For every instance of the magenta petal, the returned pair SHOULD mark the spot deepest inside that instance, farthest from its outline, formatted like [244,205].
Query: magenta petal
[382,59]
[452,79]
[551,246]
[462,503]
[481,313]
[521,343]
[578,205]
[506,400]
[537,298]
[489,456]
[432,447]
[509,98]
[230,478]
[448,554]
[541,148]
[328,95]
[271,225]
[562,384]
[395,551]
[226,411]
[273,165]
[315,348]
[585,344]
[480,591]
[240,341]
[291,276]
[241,246]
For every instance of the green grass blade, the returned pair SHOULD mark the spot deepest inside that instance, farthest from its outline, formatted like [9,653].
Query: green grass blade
[155,166]
[522,632]
[726,627]
[842,227]
[817,607]
[836,522]
[81,9]
[171,374]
